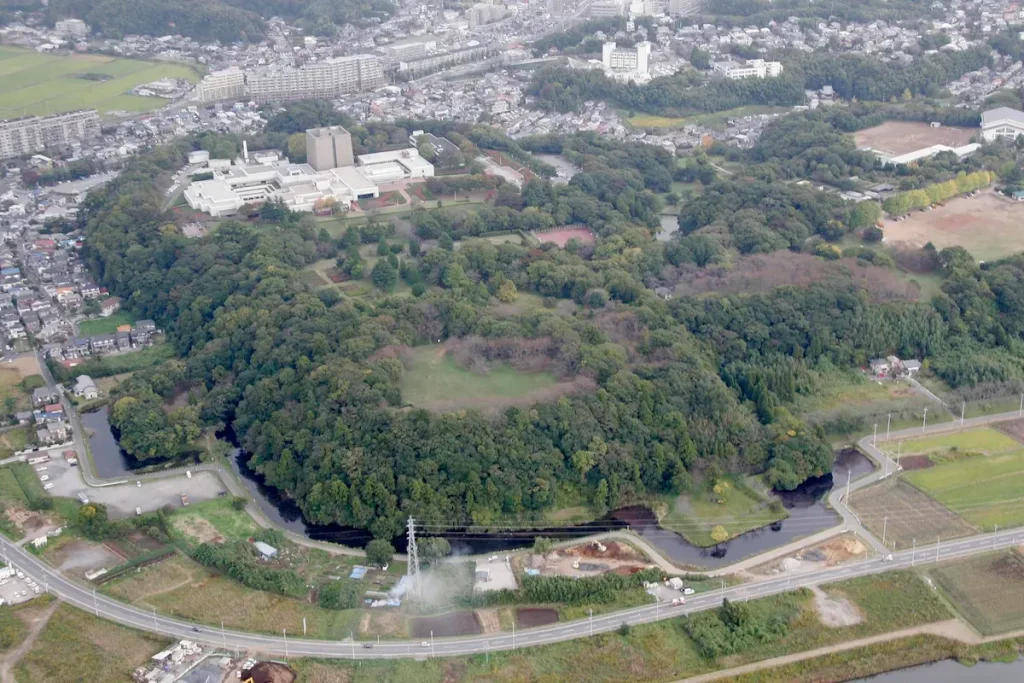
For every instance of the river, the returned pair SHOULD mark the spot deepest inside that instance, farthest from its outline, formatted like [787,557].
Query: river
[951,671]
[808,514]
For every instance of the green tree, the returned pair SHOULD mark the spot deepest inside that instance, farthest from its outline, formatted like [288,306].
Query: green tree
[719,534]
[379,552]
[384,276]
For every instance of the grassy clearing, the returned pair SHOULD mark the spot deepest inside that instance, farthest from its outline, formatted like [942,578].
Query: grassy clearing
[75,646]
[737,507]
[180,587]
[198,521]
[433,378]
[715,120]
[10,388]
[123,363]
[34,83]
[106,325]
[986,440]
[987,590]
[906,514]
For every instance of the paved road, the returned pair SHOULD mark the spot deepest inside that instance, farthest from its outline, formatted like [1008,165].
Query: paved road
[108,608]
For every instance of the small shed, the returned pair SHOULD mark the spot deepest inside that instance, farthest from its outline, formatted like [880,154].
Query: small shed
[266,551]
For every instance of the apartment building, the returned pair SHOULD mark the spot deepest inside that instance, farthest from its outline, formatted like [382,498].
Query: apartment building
[324,80]
[226,84]
[683,8]
[328,148]
[752,68]
[626,58]
[607,8]
[73,29]
[35,133]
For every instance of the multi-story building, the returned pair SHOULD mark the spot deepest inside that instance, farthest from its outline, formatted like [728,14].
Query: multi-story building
[683,8]
[328,148]
[633,59]
[225,84]
[1002,122]
[482,13]
[324,80]
[36,133]
[75,29]
[607,8]
[752,68]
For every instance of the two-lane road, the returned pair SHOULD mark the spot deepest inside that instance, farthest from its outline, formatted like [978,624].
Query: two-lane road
[89,600]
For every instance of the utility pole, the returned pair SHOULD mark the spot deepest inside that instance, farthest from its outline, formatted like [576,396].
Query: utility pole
[591,622]
[885,524]
[913,554]
[963,409]
[874,438]
[899,449]
[352,642]
[432,642]
[413,569]
[95,605]
[848,474]
[1020,414]
[924,424]
[155,627]
[303,627]
[994,534]
[888,423]
[285,632]
[513,634]
[938,541]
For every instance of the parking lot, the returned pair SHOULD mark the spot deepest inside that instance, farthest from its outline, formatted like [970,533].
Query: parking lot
[14,590]
[123,499]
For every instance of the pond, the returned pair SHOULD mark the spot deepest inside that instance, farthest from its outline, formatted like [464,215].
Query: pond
[951,671]
[108,459]
[669,227]
[807,508]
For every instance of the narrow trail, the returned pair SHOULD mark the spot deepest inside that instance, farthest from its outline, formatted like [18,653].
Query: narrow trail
[953,629]
[14,656]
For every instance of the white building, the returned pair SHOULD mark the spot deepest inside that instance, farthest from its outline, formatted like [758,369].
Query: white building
[324,80]
[629,59]
[683,8]
[607,8]
[1002,122]
[384,167]
[752,68]
[74,29]
[35,133]
[225,84]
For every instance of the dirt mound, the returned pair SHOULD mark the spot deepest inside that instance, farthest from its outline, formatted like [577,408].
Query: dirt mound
[916,462]
[269,672]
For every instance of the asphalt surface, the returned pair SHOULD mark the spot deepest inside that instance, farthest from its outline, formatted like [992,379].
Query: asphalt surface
[87,599]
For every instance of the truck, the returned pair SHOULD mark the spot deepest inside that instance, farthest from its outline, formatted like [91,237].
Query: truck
[36,459]
[184,500]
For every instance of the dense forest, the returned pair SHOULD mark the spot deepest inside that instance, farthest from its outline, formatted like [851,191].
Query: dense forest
[684,390]
[226,21]
[761,12]
[852,76]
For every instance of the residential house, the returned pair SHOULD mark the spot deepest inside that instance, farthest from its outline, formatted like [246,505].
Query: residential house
[44,396]
[90,290]
[77,347]
[124,340]
[911,367]
[143,331]
[110,306]
[86,388]
[880,367]
[103,343]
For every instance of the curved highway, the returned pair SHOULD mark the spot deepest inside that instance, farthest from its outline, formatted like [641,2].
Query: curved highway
[89,600]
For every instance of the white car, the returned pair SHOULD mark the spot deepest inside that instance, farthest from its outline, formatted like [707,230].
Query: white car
[45,477]
[47,486]
[424,644]
[688,591]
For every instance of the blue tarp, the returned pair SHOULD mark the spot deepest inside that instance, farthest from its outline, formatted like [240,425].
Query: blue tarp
[358,572]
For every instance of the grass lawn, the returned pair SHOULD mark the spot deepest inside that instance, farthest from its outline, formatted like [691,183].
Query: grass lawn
[433,378]
[10,388]
[122,363]
[988,590]
[34,83]
[107,325]
[199,521]
[712,120]
[741,509]
[75,646]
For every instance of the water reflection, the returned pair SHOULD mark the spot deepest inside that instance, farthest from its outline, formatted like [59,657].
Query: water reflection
[107,457]
[951,671]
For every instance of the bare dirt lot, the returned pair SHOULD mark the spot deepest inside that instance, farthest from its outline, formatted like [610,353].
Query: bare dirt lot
[987,225]
[916,462]
[1014,428]
[446,625]
[829,553]
[834,610]
[901,137]
[906,514]
[78,557]
[562,237]
[589,560]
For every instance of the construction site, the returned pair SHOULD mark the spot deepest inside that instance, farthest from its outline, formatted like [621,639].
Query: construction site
[591,559]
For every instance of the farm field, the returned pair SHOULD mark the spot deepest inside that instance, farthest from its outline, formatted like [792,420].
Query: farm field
[901,137]
[75,646]
[986,225]
[33,83]
[906,515]
[433,380]
[984,440]
[106,325]
[987,590]
[694,516]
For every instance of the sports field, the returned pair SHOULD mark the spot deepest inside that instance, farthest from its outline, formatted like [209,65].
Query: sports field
[901,137]
[34,83]
[987,590]
[987,225]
